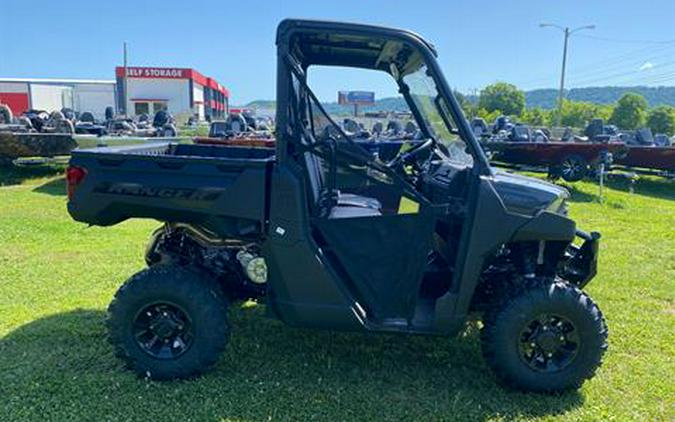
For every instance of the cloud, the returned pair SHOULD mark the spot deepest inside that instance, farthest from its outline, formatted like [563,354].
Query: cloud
[646,66]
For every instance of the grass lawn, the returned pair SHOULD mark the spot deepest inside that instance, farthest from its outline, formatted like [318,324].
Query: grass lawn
[57,278]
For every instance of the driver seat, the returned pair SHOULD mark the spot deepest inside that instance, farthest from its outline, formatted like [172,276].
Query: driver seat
[342,205]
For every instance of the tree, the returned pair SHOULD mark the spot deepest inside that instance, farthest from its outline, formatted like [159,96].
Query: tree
[536,117]
[630,111]
[502,96]
[466,105]
[604,111]
[579,113]
[488,116]
[662,120]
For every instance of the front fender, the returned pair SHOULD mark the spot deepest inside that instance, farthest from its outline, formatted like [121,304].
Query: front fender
[546,226]
[489,226]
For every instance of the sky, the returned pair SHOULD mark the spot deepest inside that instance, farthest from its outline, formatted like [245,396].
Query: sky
[479,42]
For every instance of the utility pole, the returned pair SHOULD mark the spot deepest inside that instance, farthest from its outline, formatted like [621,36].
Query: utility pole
[124,82]
[567,32]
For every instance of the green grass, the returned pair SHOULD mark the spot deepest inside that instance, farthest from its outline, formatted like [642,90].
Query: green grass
[202,130]
[57,277]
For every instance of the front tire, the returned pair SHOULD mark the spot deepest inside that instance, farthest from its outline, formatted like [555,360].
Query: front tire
[168,322]
[547,338]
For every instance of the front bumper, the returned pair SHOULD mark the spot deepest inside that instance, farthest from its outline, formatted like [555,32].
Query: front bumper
[581,263]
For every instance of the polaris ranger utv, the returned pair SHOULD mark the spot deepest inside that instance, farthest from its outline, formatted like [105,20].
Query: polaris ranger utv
[278,226]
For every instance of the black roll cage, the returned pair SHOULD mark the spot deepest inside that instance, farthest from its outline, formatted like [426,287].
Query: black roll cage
[290,28]
[368,160]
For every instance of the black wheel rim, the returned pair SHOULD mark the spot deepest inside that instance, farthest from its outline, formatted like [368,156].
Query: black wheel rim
[548,343]
[163,330]
[572,168]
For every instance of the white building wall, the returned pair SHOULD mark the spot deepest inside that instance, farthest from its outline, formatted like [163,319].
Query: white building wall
[93,98]
[174,91]
[50,97]
[198,98]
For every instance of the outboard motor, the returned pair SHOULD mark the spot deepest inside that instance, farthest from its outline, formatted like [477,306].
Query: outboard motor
[87,117]
[595,127]
[501,123]
[161,118]
[164,123]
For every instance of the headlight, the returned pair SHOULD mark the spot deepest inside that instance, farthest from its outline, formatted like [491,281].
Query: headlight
[563,208]
[559,206]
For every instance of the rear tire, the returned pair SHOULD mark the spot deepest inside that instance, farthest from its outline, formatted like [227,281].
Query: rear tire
[547,338]
[168,322]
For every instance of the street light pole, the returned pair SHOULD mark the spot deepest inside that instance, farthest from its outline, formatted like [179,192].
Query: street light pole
[561,92]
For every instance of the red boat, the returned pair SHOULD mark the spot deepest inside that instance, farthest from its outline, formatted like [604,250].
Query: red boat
[649,157]
[569,160]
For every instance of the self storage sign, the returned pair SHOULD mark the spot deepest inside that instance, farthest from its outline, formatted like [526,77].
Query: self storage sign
[155,72]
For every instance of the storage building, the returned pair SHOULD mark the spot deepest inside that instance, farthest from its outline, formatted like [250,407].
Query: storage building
[183,92]
[54,94]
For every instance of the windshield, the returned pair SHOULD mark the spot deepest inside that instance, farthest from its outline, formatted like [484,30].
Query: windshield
[434,111]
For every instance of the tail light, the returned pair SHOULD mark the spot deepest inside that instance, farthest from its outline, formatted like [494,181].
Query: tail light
[74,176]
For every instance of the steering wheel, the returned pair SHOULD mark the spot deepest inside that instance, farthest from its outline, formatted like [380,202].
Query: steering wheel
[410,156]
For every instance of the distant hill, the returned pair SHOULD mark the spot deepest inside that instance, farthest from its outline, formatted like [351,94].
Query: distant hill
[262,104]
[543,98]
[547,98]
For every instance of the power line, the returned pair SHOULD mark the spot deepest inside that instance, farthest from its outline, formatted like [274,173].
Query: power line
[624,61]
[645,79]
[626,41]
[652,79]
[613,62]
[581,81]
[590,73]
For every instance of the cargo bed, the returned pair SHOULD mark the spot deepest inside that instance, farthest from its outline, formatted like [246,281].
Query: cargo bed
[222,189]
